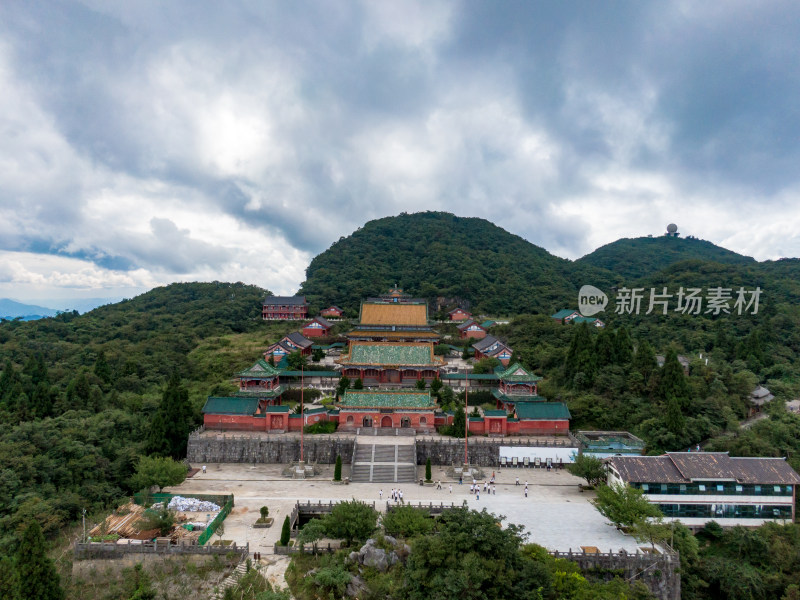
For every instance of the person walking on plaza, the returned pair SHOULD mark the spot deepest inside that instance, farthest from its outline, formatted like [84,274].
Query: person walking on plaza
[451,488]
[494,490]
[478,494]
[526,492]
[517,481]
[380,495]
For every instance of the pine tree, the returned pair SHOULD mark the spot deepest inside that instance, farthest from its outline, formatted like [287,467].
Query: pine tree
[604,353]
[644,360]
[673,382]
[8,380]
[285,532]
[101,368]
[36,575]
[428,469]
[173,421]
[623,348]
[579,358]
[337,469]
[674,419]
[7,573]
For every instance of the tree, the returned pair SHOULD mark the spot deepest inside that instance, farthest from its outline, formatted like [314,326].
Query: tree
[421,384]
[673,382]
[161,518]
[351,520]
[337,470]
[588,467]
[485,365]
[459,423]
[436,386]
[264,512]
[296,360]
[428,469]
[644,360]
[36,575]
[101,368]
[359,384]
[407,522]
[623,347]
[312,531]
[173,421]
[157,470]
[471,557]
[343,384]
[317,354]
[580,358]
[7,573]
[624,505]
[285,532]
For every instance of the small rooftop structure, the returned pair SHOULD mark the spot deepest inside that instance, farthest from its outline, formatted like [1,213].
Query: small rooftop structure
[603,444]
[761,396]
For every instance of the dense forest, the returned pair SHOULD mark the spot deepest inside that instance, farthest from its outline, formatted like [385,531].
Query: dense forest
[438,254]
[81,395]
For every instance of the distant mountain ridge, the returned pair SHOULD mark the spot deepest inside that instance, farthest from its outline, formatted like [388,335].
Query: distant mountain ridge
[436,254]
[642,256]
[11,309]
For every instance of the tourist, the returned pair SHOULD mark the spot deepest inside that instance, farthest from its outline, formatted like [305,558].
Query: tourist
[380,495]
[494,490]
[526,492]
[478,494]
[204,469]
[517,481]
[451,488]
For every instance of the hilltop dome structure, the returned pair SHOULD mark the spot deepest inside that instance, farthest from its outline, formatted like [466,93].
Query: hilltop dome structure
[672,230]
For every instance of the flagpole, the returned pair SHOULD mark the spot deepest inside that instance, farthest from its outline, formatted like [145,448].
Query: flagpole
[466,418]
[302,417]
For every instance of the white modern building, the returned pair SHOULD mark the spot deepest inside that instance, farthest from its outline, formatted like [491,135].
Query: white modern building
[698,487]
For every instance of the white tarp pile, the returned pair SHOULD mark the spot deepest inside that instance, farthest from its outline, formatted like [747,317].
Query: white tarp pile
[192,505]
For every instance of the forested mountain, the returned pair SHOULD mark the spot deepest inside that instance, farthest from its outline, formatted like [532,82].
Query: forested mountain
[439,254]
[79,393]
[636,257]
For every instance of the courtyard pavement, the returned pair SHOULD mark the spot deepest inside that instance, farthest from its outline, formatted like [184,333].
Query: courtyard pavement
[555,513]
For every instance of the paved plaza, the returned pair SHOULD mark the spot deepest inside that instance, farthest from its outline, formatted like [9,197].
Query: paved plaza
[555,513]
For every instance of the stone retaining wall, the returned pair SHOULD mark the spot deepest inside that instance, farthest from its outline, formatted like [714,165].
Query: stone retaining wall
[284,449]
[278,449]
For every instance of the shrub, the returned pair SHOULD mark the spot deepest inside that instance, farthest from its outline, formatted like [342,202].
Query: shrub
[428,469]
[321,427]
[264,512]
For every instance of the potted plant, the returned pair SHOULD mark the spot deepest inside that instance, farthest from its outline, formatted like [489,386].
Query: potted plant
[265,520]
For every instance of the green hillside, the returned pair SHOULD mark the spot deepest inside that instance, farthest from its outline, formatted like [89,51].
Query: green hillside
[439,254]
[78,393]
[637,257]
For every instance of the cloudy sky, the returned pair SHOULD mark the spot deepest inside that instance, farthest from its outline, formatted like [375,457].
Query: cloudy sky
[148,142]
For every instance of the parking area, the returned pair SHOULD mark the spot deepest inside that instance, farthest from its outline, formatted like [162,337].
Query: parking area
[555,513]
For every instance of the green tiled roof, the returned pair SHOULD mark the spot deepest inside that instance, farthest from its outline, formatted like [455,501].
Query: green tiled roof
[216,405]
[387,354]
[511,373]
[470,376]
[546,411]
[403,399]
[277,409]
[487,324]
[588,320]
[495,413]
[314,411]
[261,369]
[564,312]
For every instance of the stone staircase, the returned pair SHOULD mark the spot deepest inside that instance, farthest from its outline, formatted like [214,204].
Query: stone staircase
[386,462]
[232,579]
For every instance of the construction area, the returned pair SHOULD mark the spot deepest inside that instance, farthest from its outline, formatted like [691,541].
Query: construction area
[165,519]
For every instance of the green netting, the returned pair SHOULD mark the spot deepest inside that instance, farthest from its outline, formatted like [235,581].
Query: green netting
[212,527]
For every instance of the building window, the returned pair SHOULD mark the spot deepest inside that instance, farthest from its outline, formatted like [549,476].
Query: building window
[739,489]
[720,487]
[645,487]
[682,488]
[778,489]
[701,487]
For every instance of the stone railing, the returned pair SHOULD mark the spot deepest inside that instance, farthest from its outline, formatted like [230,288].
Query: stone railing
[89,550]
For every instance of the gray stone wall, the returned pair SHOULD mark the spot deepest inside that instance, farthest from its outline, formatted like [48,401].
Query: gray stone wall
[659,572]
[278,449]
